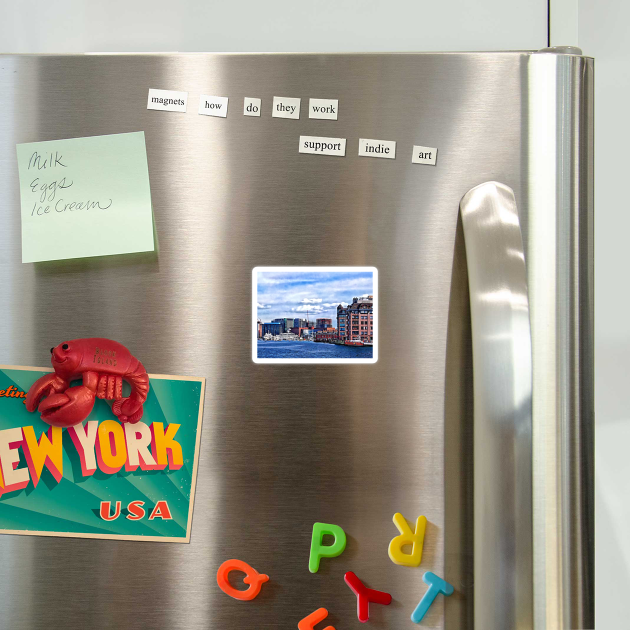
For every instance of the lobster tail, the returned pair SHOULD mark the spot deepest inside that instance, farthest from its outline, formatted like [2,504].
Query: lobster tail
[130,409]
[139,381]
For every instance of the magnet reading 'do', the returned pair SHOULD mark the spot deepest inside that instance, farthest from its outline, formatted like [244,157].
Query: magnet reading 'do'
[102,364]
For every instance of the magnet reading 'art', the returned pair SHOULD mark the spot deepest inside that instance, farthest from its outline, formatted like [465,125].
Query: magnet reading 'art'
[319,551]
[407,537]
[102,364]
[252,577]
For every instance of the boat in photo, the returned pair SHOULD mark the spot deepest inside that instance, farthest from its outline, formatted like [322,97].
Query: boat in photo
[354,342]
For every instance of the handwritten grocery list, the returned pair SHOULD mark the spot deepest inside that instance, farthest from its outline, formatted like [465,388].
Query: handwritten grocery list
[85,197]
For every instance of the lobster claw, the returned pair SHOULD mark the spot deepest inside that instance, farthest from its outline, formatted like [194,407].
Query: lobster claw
[43,386]
[68,408]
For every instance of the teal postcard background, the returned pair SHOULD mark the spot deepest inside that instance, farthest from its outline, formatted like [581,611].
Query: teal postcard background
[72,505]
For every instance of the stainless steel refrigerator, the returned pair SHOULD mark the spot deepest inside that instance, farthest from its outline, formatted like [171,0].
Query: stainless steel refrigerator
[478,413]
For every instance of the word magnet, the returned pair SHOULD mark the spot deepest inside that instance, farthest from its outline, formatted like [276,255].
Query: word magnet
[377,148]
[322,146]
[323,108]
[365,595]
[436,586]
[407,537]
[167,100]
[424,155]
[251,106]
[252,577]
[285,107]
[213,105]
[319,550]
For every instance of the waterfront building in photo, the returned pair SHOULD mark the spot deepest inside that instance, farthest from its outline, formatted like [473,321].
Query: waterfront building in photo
[329,334]
[301,331]
[342,320]
[323,323]
[273,328]
[356,321]
[287,323]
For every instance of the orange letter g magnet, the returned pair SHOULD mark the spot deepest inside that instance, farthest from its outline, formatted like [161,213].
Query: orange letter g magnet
[252,577]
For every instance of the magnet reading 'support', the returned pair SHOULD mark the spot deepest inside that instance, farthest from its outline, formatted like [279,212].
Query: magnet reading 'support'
[103,364]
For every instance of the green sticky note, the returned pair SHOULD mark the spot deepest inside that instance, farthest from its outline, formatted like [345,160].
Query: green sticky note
[85,197]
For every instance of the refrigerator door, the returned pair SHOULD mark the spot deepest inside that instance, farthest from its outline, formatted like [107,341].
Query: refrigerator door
[285,446]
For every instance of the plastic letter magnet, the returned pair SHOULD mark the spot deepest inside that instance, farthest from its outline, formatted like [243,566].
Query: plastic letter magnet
[365,596]
[319,551]
[436,586]
[308,623]
[407,537]
[252,577]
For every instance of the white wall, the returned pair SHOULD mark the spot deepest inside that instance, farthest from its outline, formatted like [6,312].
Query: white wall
[604,27]
[262,25]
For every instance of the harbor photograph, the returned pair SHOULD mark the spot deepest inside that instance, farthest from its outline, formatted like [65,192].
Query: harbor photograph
[314,315]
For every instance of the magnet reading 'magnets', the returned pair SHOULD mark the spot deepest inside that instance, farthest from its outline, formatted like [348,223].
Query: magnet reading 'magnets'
[103,364]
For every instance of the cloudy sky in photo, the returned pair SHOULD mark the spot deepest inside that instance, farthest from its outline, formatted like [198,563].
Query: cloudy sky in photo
[290,294]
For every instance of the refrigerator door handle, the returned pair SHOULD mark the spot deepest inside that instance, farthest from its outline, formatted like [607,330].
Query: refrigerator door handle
[502,374]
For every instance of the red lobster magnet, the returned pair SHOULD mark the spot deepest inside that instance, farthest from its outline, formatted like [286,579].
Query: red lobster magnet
[102,364]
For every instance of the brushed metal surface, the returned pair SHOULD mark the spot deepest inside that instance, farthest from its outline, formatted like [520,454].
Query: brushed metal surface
[502,368]
[282,446]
